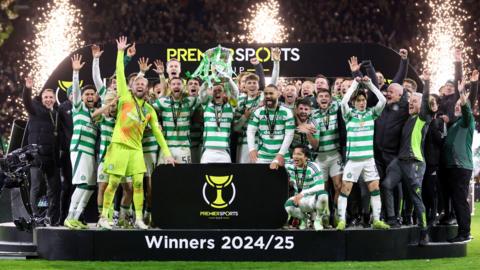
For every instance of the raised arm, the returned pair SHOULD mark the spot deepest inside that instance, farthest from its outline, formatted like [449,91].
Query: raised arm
[143,67]
[402,68]
[203,96]
[354,67]
[259,71]
[27,96]
[371,73]
[381,99]
[372,100]
[425,108]
[131,51]
[76,66]
[276,53]
[473,87]
[233,86]
[97,77]
[346,98]
[160,70]
[458,70]
[122,88]
[467,115]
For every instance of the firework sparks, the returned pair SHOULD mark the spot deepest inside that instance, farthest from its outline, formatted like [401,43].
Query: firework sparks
[445,33]
[57,32]
[265,24]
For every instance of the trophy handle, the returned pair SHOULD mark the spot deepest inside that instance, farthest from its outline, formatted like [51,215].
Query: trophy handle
[230,178]
[213,184]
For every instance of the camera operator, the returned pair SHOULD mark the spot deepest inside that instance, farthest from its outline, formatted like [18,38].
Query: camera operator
[43,128]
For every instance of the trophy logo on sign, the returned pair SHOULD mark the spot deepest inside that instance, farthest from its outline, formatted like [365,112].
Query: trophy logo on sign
[219,182]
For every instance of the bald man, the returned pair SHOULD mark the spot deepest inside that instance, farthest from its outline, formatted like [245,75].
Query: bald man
[388,129]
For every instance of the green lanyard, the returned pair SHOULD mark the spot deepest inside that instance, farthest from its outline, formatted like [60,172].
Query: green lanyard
[139,109]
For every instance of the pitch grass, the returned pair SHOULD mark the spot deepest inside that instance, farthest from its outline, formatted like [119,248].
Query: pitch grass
[471,262]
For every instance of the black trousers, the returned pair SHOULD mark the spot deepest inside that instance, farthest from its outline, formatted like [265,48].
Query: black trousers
[46,176]
[444,193]
[66,184]
[430,191]
[458,182]
[411,173]
[382,161]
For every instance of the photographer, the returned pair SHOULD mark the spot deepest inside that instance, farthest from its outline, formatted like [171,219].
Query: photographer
[43,128]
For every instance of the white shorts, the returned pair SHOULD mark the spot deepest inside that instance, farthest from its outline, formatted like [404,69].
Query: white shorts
[330,163]
[150,162]
[215,156]
[364,168]
[102,177]
[181,154]
[83,168]
[196,154]
[243,154]
[310,203]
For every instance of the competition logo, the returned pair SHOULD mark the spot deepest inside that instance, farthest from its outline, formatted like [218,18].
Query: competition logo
[65,85]
[242,54]
[219,183]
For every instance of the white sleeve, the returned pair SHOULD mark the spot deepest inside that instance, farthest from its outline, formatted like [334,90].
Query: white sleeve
[381,99]
[311,190]
[275,72]
[77,95]
[235,91]
[97,77]
[251,132]
[346,98]
[287,141]
[203,94]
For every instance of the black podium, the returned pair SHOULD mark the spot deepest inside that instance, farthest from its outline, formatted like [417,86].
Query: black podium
[219,196]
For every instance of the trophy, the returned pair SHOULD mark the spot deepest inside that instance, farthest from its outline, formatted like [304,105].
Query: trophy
[215,65]
[219,182]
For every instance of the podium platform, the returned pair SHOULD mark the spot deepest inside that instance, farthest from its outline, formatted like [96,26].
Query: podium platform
[60,243]
[235,210]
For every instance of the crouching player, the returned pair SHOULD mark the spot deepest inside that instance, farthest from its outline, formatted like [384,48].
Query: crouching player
[310,195]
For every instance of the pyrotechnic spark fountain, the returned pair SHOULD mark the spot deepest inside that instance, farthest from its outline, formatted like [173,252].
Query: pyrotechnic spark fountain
[57,32]
[265,24]
[445,33]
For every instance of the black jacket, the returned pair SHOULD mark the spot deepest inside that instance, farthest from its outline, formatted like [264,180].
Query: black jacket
[372,74]
[261,75]
[388,127]
[434,142]
[447,103]
[415,129]
[43,126]
[65,110]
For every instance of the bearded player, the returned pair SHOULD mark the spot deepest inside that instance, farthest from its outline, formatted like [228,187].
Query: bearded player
[124,155]
[275,125]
